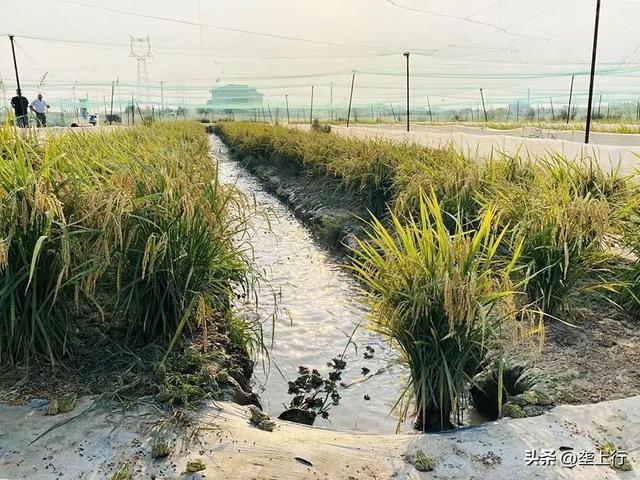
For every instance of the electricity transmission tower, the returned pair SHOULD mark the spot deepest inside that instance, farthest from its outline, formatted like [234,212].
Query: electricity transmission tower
[141,50]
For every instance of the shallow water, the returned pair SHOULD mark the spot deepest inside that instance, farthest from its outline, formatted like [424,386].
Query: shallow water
[318,308]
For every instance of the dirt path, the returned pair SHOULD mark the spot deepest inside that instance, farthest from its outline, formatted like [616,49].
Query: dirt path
[482,145]
[96,443]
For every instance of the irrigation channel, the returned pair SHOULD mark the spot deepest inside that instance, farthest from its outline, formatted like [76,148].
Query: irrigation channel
[317,307]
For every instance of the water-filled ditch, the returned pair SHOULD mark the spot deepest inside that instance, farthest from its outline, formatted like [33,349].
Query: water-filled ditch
[318,307]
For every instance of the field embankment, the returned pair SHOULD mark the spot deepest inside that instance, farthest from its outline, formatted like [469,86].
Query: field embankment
[100,442]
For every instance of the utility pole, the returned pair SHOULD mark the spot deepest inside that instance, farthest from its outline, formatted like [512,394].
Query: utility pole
[570,96]
[406,54]
[553,113]
[483,107]
[587,129]
[22,121]
[311,114]
[286,99]
[161,98]
[113,87]
[133,111]
[331,103]
[353,79]
[430,113]
[15,65]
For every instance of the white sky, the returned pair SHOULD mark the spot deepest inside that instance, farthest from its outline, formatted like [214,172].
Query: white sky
[504,46]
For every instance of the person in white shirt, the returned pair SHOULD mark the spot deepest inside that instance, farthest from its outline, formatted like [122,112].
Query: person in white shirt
[40,107]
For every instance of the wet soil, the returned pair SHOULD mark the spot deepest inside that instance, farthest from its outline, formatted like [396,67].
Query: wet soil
[102,366]
[596,359]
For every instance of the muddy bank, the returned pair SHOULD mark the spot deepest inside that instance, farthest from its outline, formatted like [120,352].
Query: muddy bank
[202,366]
[94,443]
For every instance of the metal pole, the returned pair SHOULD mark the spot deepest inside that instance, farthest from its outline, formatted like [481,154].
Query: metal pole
[430,112]
[570,96]
[311,114]
[286,98]
[483,107]
[331,104]
[161,98]
[553,113]
[113,86]
[15,65]
[406,54]
[587,129]
[353,79]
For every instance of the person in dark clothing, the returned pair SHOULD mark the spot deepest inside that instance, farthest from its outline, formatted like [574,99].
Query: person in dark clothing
[21,108]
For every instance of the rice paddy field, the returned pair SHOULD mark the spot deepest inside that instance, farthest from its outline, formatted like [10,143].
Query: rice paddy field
[365,288]
[119,255]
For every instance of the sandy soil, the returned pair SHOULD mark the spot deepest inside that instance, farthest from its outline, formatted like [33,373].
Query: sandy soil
[92,443]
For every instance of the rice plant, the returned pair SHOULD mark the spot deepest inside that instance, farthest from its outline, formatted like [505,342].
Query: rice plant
[438,297]
[565,213]
[130,226]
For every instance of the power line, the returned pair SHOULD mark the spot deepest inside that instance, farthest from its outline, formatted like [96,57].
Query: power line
[221,27]
[463,19]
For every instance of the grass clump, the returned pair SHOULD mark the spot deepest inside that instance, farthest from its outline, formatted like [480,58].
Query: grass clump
[160,448]
[195,465]
[123,473]
[437,296]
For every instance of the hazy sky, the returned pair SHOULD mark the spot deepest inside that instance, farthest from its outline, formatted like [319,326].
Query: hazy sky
[284,46]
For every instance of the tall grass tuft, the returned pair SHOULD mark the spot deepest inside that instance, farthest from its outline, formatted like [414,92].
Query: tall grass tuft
[438,297]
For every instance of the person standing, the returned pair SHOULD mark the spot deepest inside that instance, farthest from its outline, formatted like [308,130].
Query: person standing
[40,107]
[20,107]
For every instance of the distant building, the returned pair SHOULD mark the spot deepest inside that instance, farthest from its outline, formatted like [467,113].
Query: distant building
[234,97]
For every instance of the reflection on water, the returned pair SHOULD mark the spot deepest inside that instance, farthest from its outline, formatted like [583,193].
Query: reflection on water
[318,309]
